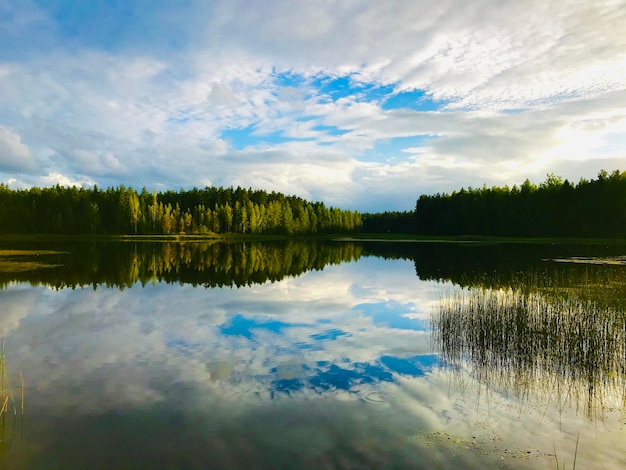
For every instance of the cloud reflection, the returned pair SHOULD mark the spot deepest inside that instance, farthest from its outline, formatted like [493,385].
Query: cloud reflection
[331,369]
[216,336]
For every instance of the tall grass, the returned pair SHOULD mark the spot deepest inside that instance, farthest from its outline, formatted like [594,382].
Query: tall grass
[570,347]
[8,409]
[7,400]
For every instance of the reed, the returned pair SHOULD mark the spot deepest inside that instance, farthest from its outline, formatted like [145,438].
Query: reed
[6,391]
[556,458]
[570,347]
[8,431]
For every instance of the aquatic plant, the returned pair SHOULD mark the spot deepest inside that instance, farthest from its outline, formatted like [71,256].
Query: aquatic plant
[6,393]
[572,348]
[556,458]
[8,401]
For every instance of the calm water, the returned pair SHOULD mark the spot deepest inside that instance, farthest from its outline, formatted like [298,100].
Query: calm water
[310,355]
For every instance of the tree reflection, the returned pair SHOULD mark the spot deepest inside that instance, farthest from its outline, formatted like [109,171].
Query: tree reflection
[521,319]
[123,265]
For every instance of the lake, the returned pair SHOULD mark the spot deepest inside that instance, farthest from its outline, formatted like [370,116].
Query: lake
[337,354]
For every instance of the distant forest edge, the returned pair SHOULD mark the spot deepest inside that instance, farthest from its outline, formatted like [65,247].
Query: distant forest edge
[122,210]
[593,208]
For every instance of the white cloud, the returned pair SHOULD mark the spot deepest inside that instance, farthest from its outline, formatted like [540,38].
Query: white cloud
[151,110]
[54,178]
[14,155]
[483,54]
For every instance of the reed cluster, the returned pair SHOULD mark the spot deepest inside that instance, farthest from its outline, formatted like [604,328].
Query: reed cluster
[569,346]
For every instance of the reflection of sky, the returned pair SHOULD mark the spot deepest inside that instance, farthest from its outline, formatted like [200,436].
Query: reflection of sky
[348,317]
[312,356]
[348,376]
[238,325]
[393,315]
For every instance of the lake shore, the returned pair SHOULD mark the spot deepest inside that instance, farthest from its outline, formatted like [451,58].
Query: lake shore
[358,237]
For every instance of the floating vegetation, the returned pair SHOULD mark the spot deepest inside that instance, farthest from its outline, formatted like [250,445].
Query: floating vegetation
[29,252]
[612,260]
[571,348]
[17,261]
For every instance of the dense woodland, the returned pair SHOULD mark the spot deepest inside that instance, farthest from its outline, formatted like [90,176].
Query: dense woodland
[389,222]
[121,210]
[555,208]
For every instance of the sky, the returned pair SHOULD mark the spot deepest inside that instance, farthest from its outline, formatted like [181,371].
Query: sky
[362,105]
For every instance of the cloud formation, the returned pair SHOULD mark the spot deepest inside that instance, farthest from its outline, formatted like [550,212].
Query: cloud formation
[14,155]
[333,101]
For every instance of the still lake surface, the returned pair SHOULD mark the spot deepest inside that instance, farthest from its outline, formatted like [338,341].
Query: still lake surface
[313,355]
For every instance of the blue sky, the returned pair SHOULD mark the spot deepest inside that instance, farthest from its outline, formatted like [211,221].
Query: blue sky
[362,105]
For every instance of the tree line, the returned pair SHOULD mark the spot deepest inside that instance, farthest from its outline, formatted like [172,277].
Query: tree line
[389,222]
[122,210]
[555,208]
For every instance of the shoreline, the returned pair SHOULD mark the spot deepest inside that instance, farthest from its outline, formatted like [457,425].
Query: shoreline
[360,237]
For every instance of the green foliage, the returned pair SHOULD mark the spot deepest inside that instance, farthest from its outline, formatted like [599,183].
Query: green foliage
[388,222]
[555,208]
[121,210]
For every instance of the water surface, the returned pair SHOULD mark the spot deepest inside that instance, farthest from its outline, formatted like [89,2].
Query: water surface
[296,355]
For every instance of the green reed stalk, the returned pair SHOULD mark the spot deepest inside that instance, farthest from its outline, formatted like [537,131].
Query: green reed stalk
[524,339]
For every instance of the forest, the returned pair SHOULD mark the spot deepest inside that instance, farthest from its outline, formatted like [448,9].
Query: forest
[593,208]
[208,211]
